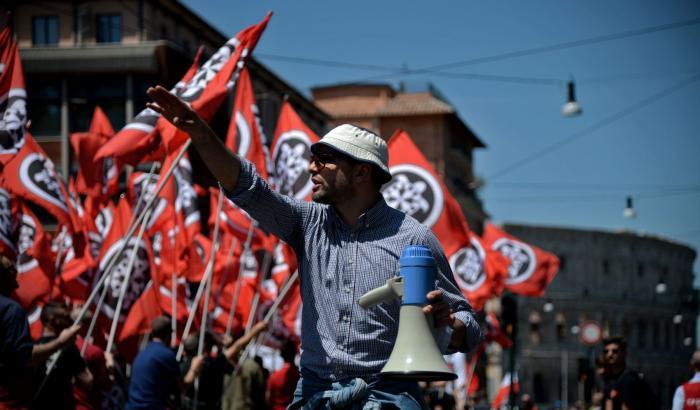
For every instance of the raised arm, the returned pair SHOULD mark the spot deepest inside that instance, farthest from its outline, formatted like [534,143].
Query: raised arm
[222,163]
[232,352]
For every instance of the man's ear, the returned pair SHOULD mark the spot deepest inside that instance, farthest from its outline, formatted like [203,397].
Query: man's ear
[363,172]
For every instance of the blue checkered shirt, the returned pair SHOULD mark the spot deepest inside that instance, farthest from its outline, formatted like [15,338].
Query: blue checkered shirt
[337,265]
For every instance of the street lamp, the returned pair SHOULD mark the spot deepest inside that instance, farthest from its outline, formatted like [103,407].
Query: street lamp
[629,212]
[571,108]
[677,319]
[548,306]
[661,286]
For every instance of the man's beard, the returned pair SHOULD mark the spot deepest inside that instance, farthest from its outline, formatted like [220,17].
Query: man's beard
[321,197]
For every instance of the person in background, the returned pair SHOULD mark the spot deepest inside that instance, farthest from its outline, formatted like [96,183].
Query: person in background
[527,402]
[101,366]
[156,381]
[281,384]
[17,351]
[687,395]
[55,390]
[245,388]
[625,388]
[211,376]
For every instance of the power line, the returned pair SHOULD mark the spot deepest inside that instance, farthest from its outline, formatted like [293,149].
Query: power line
[592,197]
[327,63]
[595,127]
[393,69]
[667,192]
[541,49]
[579,186]
[469,76]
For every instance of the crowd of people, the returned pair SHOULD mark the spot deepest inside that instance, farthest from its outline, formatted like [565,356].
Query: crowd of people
[348,241]
[347,231]
[83,376]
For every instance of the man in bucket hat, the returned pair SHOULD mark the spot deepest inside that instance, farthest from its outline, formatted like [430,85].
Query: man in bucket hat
[348,241]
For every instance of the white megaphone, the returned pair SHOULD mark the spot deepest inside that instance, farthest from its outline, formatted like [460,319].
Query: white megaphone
[416,355]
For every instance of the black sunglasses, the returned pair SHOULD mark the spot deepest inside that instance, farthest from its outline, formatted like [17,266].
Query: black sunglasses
[323,158]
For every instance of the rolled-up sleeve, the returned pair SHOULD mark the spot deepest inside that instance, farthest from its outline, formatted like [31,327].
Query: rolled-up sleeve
[275,213]
[455,299]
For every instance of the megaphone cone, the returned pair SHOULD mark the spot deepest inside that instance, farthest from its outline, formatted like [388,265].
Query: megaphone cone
[415,355]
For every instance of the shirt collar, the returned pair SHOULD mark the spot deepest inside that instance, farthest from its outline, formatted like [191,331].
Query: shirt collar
[371,217]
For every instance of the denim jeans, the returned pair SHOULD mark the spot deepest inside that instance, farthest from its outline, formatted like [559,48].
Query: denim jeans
[380,393]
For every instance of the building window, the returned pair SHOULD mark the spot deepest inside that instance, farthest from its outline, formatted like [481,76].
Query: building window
[84,93]
[45,30]
[640,270]
[44,96]
[109,28]
[606,267]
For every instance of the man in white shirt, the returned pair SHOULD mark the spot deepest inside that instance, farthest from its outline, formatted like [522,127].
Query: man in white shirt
[687,395]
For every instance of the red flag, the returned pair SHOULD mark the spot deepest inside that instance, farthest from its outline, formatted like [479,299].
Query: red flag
[249,285]
[98,221]
[504,390]
[180,192]
[35,265]
[209,86]
[285,264]
[417,190]
[139,139]
[72,264]
[138,321]
[34,319]
[479,271]
[31,175]
[200,250]
[13,98]
[95,177]
[235,221]
[530,268]
[169,252]
[186,197]
[141,183]
[290,155]
[141,273]
[244,135]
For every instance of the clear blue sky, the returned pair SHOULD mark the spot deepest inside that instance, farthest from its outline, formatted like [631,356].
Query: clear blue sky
[650,153]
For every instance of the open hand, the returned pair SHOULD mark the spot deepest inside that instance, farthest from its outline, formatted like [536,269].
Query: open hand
[173,109]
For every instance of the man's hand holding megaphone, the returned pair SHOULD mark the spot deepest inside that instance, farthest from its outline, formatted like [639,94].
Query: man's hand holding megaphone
[443,316]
